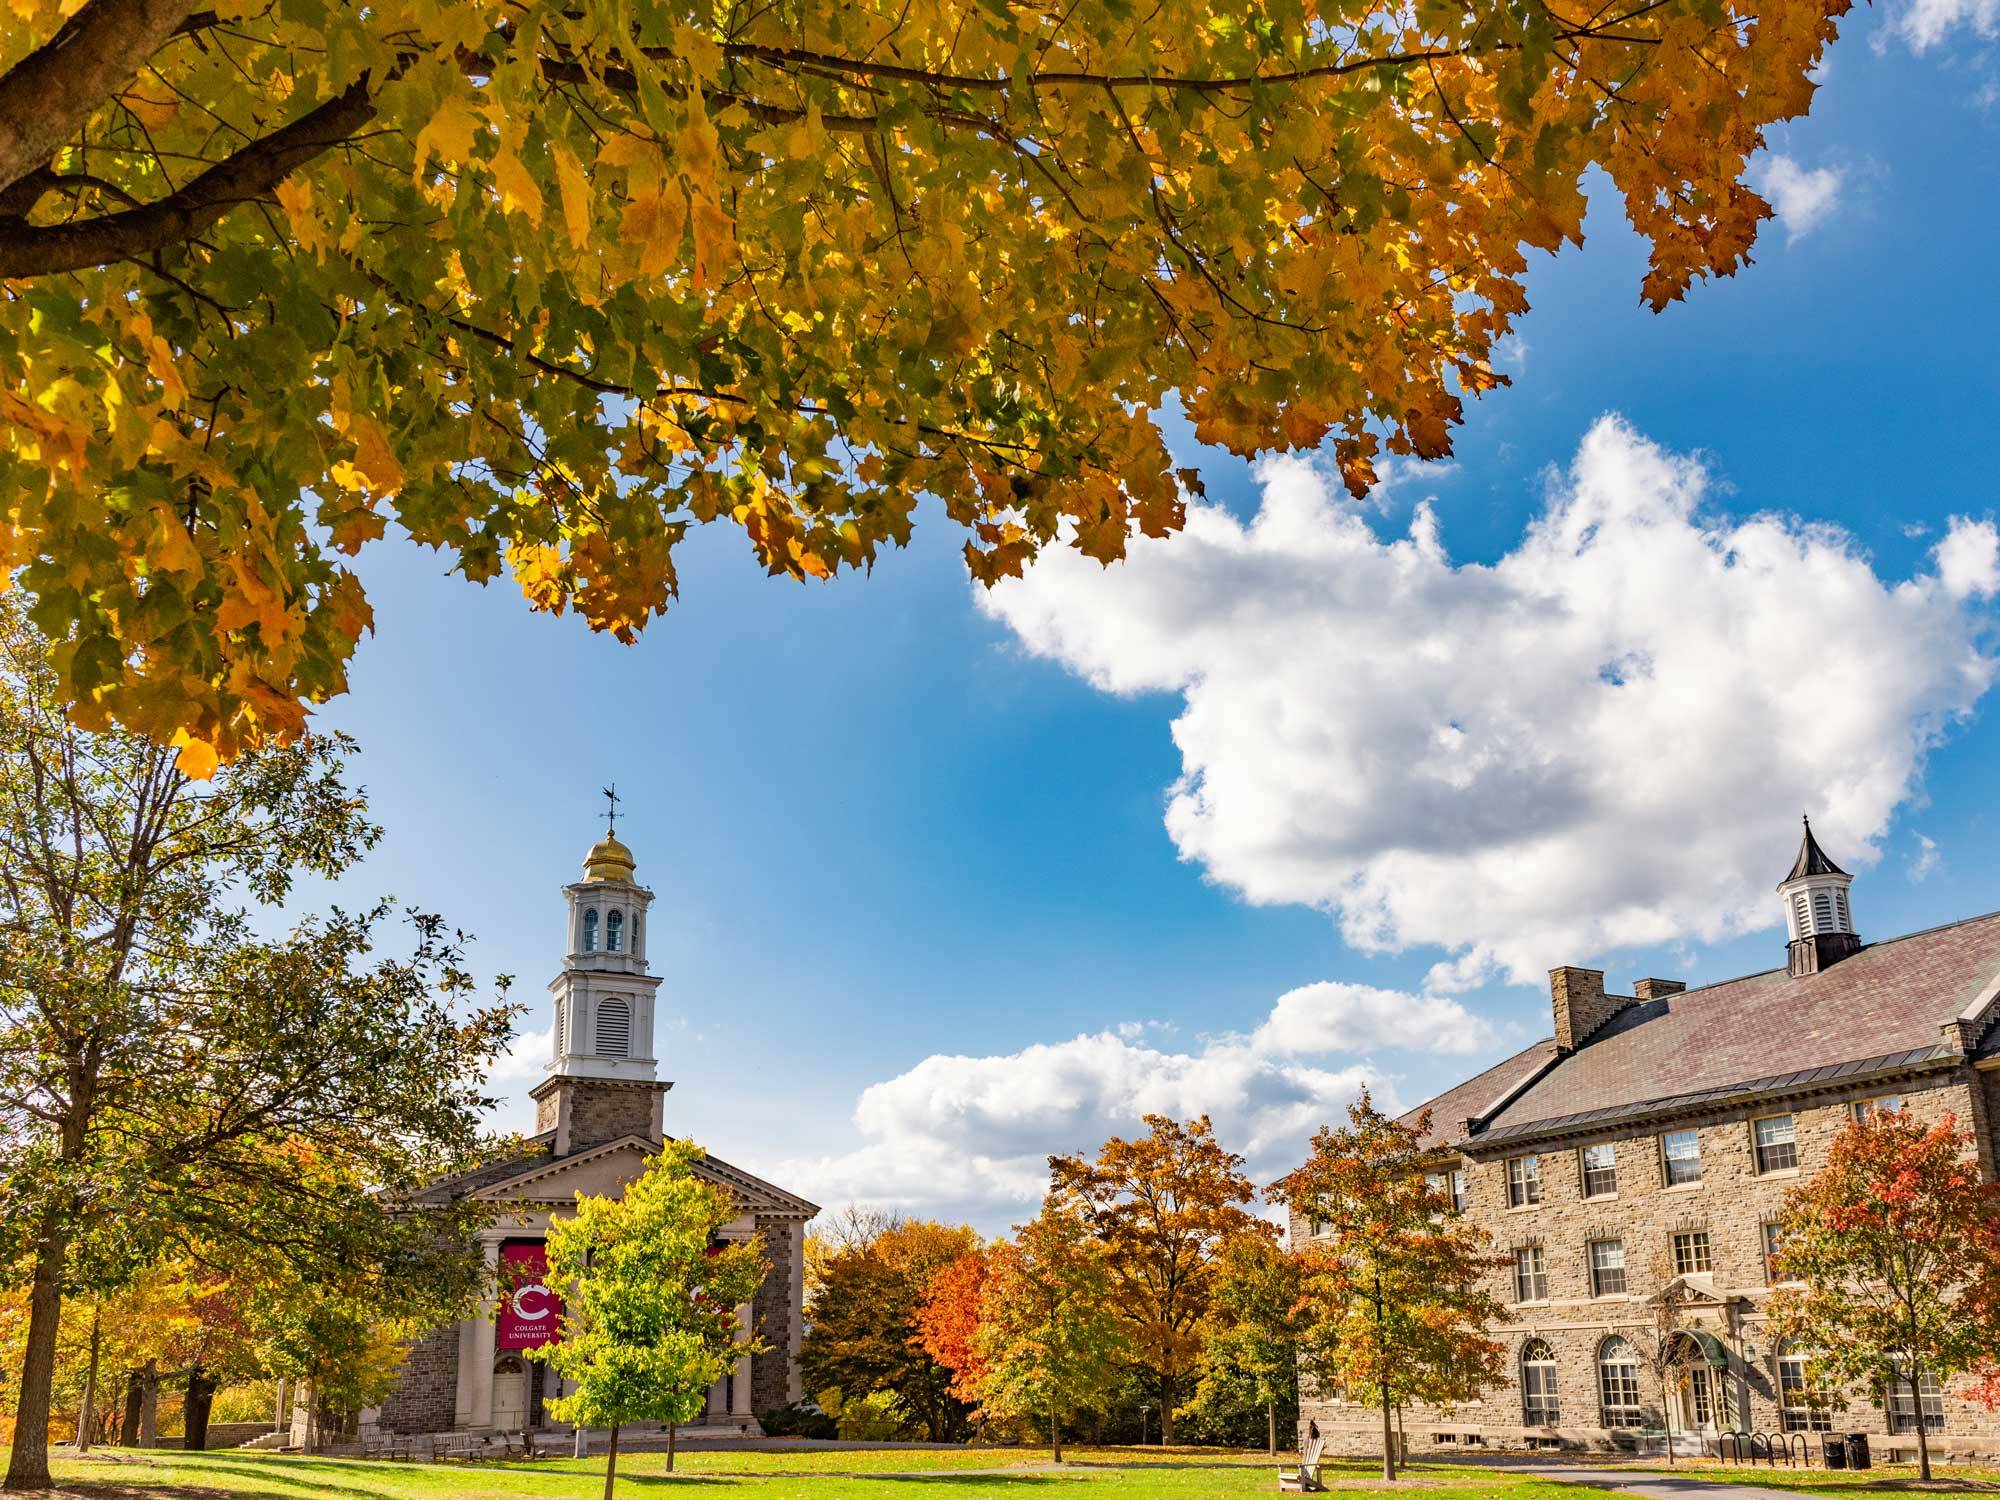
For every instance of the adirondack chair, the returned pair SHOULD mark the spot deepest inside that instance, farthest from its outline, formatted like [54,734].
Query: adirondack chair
[1302,1478]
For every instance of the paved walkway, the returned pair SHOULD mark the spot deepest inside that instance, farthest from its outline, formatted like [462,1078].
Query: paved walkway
[1654,1485]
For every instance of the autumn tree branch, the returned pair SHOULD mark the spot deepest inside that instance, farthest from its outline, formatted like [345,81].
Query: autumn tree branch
[247,176]
[47,95]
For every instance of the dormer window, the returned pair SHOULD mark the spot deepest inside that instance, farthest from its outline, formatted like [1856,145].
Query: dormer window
[614,932]
[590,929]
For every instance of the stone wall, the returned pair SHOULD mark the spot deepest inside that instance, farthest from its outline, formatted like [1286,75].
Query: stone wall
[771,1316]
[1731,1204]
[426,1390]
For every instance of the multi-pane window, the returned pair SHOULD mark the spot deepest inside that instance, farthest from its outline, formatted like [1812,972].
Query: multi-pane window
[1531,1275]
[1777,1143]
[1691,1252]
[1880,1104]
[614,932]
[1618,1383]
[1524,1181]
[1458,1191]
[1903,1408]
[1539,1406]
[1435,1181]
[1600,1170]
[1680,1153]
[1774,1240]
[1607,1267]
[1801,1408]
[590,929]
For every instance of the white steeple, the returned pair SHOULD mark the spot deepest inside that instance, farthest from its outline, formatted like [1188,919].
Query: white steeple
[604,996]
[1818,922]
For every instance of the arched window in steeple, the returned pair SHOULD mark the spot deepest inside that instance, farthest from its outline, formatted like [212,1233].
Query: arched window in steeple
[590,929]
[614,932]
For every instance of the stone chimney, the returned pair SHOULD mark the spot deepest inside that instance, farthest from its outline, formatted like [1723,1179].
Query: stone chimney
[1657,989]
[1581,1005]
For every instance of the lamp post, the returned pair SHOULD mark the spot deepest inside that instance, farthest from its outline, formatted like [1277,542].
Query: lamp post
[1143,1409]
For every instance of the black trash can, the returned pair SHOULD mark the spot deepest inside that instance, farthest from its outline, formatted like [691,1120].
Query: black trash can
[1836,1451]
[1857,1450]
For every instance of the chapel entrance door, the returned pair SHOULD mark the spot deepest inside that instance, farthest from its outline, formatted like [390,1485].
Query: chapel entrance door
[510,1394]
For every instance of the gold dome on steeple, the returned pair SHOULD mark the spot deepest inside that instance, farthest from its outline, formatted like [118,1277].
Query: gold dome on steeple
[608,860]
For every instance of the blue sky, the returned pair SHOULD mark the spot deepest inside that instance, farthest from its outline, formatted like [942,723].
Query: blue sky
[905,840]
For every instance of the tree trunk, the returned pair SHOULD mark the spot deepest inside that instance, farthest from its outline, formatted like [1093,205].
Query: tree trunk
[1055,1434]
[1382,1372]
[1923,1427]
[1166,1411]
[128,1425]
[149,1404]
[86,1416]
[611,1462]
[673,1437]
[1667,1417]
[200,1398]
[1271,1427]
[28,1468]
[1388,1437]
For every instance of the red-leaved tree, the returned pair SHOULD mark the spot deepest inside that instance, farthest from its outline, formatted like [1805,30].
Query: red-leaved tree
[1896,1242]
[948,1322]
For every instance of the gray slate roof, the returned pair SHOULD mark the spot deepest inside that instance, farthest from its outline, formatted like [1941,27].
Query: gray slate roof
[1879,1009]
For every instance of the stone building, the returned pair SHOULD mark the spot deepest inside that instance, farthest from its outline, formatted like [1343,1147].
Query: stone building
[1650,1142]
[598,1114]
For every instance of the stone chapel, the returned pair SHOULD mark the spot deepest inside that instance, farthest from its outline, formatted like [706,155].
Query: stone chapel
[599,1112]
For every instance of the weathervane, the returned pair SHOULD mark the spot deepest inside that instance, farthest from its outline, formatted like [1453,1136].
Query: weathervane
[611,796]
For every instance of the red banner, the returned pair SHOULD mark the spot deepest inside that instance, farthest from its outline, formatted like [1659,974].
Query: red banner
[530,1313]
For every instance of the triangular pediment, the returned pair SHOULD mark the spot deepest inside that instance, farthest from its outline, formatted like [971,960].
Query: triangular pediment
[1687,1292]
[605,1170]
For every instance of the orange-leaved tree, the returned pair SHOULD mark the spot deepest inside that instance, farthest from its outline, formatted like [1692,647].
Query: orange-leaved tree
[1896,1245]
[546,284]
[948,1322]
[1395,1296]
[1164,1206]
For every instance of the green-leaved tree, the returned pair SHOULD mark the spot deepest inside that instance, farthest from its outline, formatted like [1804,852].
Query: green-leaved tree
[170,1077]
[649,1299]
[1047,1340]
[1251,1359]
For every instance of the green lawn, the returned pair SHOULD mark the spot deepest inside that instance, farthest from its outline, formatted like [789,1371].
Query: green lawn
[1883,1479]
[881,1474]
[904,1475]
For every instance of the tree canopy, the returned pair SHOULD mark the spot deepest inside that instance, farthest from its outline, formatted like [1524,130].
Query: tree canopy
[865,1334]
[1895,1248]
[173,1083]
[1164,1206]
[1394,1304]
[549,283]
[649,1308]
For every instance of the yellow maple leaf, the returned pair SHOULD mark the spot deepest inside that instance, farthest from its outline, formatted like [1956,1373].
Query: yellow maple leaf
[519,192]
[449,134]
[575,190]
[197,759]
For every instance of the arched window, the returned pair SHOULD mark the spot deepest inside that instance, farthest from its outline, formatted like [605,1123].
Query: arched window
[1802,915]
[614,932]
[1539,1406]
[1840,905]
[1618,1383]
[614,1029]
[635,934]
[590,929]
[1822,912]
[1801,1408]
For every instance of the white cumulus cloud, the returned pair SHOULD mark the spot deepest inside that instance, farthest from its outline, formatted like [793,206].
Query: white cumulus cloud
[1802,197]
[1603,739]
[971,1136]
[1925,23]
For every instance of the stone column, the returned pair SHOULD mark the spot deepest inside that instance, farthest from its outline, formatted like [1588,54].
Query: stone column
[479,1406]
[795,1335]
[740,1397]
[282,1418]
